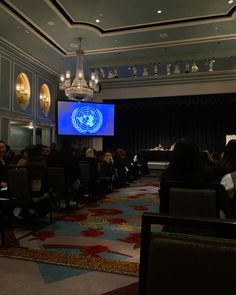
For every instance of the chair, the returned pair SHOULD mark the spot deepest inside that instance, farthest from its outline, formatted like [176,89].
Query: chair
[194,199]
[202,199]
[173,263]
[5,204]
[88,179]
[57,184]
[21,194]
[105,179]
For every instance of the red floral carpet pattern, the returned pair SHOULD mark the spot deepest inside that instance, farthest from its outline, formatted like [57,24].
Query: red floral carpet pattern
[107,231]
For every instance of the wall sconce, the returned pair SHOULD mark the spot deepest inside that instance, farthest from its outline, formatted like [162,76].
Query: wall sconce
[22,91]
[45,99]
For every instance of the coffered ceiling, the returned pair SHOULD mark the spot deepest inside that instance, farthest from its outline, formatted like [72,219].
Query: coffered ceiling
[120,33]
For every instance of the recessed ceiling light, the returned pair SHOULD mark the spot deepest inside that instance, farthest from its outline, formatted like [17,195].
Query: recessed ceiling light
[26,31]
[231,1]
[51,23]
[97,20]
[163,35]
[159,11]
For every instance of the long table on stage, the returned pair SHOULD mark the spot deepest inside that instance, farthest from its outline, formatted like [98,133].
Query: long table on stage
[157,159]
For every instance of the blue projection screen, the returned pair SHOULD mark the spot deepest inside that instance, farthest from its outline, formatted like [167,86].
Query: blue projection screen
[83,118]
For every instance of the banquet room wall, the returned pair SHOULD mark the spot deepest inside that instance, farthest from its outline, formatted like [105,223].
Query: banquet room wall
[134,128]
[14,63]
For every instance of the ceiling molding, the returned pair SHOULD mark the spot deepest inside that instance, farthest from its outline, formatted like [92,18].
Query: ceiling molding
[162,44]
[11,9]
[9,47]
[49,33]
[58,7]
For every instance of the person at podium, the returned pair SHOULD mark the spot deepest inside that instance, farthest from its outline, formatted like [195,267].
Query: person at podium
[159,148]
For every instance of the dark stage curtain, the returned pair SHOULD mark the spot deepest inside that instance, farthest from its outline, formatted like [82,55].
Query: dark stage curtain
[145,123]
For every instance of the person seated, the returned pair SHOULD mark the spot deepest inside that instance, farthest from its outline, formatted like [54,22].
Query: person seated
[229,183]
[64,157]
[137,164]
[227,163]
[120,169]
[33,159]
[109,164]
[36,165]
[207,158]
[172,147]
[91,158]
[159,148]
[186,165]
[9,155]
[22,158]
[3,167]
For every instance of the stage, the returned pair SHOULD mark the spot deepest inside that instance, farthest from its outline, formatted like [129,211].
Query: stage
[157,159]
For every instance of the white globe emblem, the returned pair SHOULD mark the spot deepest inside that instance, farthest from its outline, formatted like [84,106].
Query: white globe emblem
[87,119]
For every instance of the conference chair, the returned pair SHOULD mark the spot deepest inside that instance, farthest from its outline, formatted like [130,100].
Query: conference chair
[172,263]
[21,194]
[88,179]
[57,187]
[202,199]
[195,199]
[5,205]
[105,178]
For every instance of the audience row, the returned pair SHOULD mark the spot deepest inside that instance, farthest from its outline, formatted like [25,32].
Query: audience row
[188,163]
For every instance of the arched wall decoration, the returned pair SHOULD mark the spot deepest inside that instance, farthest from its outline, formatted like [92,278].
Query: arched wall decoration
[45,99]
[23,91]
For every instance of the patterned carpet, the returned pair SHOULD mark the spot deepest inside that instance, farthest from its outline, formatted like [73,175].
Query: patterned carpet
[103,236]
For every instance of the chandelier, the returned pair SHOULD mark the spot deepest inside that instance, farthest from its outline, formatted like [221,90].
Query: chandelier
[79,89]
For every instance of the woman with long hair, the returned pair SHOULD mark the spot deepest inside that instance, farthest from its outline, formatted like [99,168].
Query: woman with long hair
[186,165]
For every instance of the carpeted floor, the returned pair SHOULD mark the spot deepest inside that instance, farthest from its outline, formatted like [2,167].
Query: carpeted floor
[104,236]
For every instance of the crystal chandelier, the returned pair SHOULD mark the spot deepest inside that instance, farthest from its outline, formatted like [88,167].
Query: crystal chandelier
[79,89]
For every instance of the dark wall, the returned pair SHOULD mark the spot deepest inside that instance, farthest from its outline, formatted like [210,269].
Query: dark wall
[145,123]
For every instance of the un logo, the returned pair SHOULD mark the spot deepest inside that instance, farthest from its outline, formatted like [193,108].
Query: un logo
[87,119]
